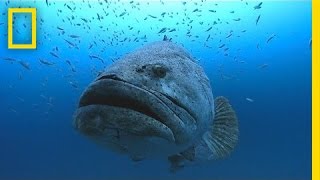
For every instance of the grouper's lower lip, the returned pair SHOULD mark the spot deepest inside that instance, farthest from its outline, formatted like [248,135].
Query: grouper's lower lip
[97,120]
[115,96]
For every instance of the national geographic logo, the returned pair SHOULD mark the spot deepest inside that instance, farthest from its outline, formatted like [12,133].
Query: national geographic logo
[33,12]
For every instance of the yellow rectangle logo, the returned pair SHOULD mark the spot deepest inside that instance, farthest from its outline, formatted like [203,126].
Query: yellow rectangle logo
[33,12]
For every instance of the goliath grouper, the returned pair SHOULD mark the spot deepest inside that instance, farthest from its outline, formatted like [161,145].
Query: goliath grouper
[158,102]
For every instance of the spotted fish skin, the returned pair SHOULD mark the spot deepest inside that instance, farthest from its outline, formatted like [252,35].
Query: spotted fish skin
[154,102]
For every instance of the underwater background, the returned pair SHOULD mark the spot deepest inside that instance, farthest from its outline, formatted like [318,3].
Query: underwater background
[257,55]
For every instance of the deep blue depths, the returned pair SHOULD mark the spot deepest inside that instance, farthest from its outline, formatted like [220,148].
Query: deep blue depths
[36,106]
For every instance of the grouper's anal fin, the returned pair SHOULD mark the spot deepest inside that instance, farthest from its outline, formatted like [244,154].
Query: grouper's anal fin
[222,137]
[177,161]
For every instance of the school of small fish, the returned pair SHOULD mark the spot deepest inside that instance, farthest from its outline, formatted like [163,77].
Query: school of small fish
[95,39]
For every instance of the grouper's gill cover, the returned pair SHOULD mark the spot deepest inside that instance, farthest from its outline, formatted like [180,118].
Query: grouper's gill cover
[154,101]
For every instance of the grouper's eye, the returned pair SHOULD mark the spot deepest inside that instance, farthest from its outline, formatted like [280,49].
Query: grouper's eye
[159,71]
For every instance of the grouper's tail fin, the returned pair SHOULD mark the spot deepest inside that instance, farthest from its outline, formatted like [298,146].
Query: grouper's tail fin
[223,135]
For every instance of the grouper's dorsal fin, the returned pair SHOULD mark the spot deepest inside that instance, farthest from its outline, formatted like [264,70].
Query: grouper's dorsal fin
[223,135]
[165,38]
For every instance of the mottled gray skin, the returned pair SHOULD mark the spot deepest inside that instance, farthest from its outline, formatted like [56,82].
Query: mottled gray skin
[154,101]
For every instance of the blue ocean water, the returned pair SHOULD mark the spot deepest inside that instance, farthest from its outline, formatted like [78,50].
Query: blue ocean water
[263,68]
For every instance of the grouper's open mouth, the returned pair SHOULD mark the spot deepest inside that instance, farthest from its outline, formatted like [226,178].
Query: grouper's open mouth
[113,102]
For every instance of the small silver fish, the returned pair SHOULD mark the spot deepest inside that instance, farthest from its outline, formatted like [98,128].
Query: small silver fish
[257,20]
[74,36]
[221,46]
[263,66]
[25,65]
[9,59]
[249,99]
[258,6]
[271,37]
[96,57]
[46,62]
[54,54]
[229,35]
[162,30]
[310,43]
[209,29]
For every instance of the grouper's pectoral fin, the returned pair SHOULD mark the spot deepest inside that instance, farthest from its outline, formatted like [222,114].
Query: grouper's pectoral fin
[216,143]
[223,135]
